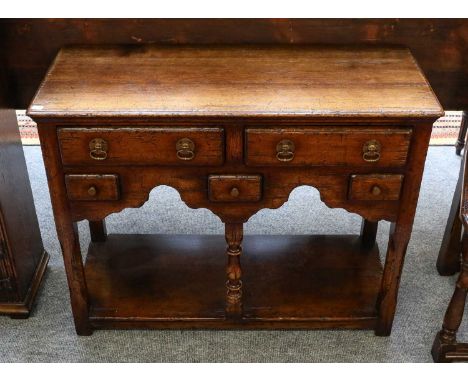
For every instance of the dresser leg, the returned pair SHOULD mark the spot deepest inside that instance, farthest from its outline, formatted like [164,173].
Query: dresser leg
[387,300]
[446,339]
[98,231]
[400,231]
[70,244]
[67,231]
[234,234]
[368,233]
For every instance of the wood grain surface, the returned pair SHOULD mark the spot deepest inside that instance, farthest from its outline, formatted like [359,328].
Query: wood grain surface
[150,81]
[92,187]
[321,276]
[375,187]
[327,146]
[235,188]
[142,146]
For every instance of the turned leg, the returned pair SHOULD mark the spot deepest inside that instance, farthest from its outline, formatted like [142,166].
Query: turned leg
[98,231]
[67,230]
[448,261]
[234,233]
[446,339]
[462,134]
[368,233]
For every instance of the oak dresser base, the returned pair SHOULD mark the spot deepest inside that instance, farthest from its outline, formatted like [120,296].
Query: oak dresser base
[234,130]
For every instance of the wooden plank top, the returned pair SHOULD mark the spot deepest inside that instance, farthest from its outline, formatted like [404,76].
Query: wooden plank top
[234,81]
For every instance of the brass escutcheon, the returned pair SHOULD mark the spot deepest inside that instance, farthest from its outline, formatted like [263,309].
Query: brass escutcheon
[185,149]
[98,149]
[371,151]
[285,150]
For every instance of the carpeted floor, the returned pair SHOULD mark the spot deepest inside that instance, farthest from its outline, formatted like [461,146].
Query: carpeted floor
[49,336]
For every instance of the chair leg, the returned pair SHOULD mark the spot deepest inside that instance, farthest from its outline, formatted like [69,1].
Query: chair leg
[462,134]
[448,261]
[446,348]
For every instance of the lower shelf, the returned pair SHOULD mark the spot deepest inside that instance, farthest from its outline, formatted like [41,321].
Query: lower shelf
[178,281]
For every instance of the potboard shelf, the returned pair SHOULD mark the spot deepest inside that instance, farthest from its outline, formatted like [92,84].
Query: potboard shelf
[178,281]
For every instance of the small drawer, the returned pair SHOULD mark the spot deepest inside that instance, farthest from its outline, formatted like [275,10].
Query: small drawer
[375,187]
[327,146]
[235,188]
[142,146]
[92,187]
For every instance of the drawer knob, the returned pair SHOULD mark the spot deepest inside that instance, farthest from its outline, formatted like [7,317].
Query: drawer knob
[98,149]
[185,149]
[92,191]
[235,192]
[285,150]
[371,151]
[376,190]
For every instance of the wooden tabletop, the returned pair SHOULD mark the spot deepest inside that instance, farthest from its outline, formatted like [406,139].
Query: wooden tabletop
[237,81]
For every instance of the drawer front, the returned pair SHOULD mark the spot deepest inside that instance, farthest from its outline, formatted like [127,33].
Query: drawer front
[376,147]
[235,188]
[375,187]
[92,187]
[141,146]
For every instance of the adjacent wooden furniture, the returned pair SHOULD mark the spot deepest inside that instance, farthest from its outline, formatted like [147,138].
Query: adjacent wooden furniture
[448,260]
[446,348]
[23,260]
[234,130]
[462,134]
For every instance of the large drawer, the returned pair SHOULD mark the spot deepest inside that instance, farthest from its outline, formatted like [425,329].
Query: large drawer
[327,146]
[141,146]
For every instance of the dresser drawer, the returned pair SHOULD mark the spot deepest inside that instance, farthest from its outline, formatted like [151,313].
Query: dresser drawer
[142,146]
[375,187]
[92,187]
[235,188]
[327,146]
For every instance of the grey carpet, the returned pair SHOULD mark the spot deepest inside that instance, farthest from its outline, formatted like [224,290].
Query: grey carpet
[49,336]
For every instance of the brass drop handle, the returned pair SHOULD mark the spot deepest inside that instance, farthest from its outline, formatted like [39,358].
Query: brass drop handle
[98,149]
[285,150]
[185,149]
[235,192]
[376,190]
[371,151]
[92,191]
